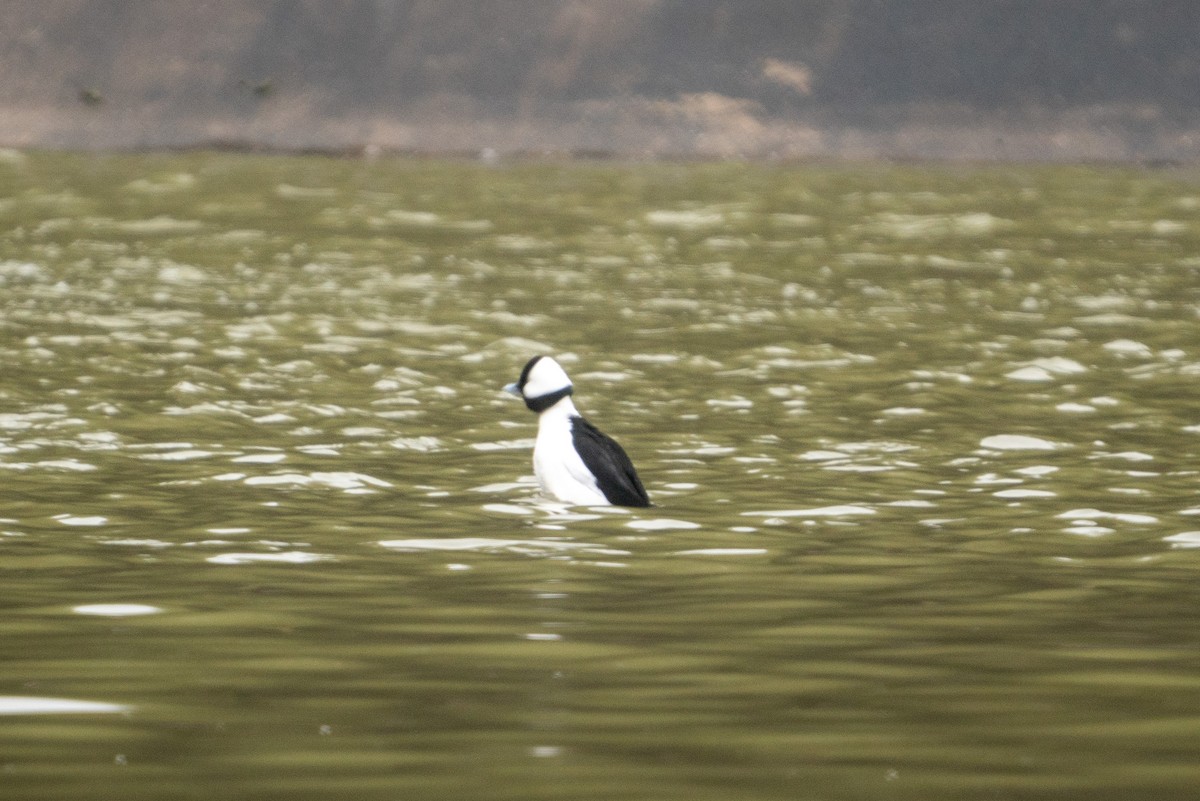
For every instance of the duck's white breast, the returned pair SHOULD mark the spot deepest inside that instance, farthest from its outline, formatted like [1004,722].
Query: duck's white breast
[559,469]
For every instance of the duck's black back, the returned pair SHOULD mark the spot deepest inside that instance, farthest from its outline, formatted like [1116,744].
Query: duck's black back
[609,463]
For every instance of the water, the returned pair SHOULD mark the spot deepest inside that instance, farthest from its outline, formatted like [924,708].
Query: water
[923,443]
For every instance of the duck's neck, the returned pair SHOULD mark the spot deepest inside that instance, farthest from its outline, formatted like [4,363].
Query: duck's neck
[559,413]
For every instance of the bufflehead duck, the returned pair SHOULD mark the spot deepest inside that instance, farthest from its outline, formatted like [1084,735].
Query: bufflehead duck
[573,460]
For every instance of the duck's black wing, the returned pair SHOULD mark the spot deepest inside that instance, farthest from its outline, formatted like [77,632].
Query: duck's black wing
[608,462]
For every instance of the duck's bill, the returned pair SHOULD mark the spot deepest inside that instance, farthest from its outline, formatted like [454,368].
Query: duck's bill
[512,388]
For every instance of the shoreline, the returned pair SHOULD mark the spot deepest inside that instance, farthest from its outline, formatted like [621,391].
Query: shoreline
[945,134]
[489,157]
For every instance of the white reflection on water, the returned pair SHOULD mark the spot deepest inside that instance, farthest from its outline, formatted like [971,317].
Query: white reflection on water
[662,524]
[1024,493]
[72,520]
[184,455]
[1184,539]
[688,219]
[723,552]
[116,610]
[72,465]
[1019,442]
[1096,514]
[260,458]
[284,557]
[24,705]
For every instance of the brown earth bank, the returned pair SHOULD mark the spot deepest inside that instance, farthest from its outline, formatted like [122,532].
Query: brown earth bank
[922,79]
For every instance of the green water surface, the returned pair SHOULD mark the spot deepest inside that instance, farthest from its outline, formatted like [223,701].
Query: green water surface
[923,443]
